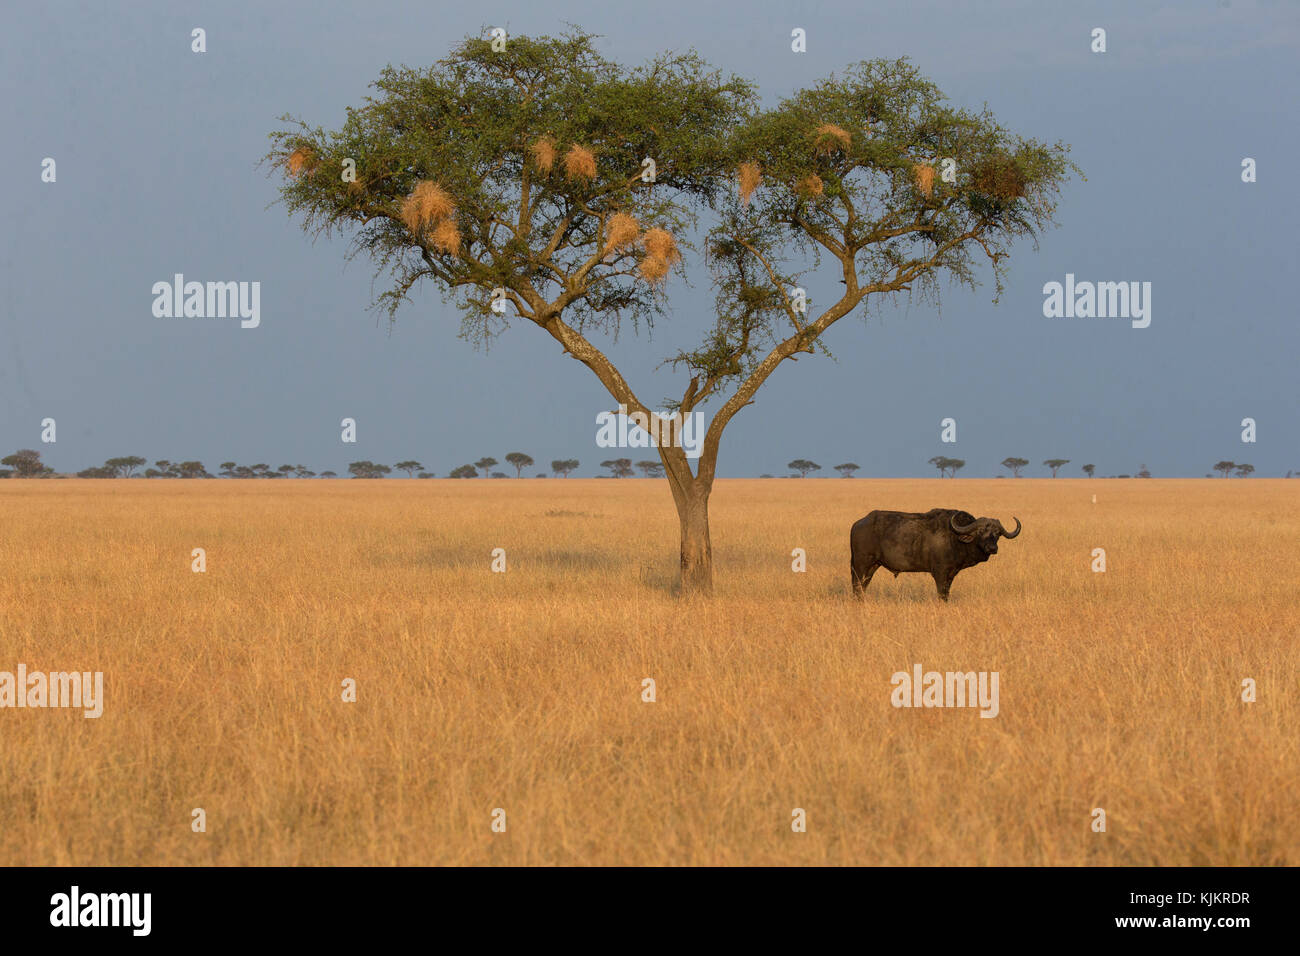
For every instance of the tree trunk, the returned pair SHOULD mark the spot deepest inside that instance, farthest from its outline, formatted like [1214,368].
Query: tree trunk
[691,495]
[697,551]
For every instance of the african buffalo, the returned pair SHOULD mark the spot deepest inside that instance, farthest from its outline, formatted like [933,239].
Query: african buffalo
[940,542]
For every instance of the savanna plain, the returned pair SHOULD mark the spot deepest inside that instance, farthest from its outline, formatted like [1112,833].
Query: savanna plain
[478,690]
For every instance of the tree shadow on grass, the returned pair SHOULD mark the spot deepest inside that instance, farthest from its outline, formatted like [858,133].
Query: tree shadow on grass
[522,560]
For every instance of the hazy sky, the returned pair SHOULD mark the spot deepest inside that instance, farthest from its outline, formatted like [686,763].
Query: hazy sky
[157,150]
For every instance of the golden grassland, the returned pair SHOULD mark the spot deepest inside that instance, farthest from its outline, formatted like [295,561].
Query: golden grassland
[522,690]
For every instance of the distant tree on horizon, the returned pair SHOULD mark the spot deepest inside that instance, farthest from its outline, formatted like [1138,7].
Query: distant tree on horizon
[1245,471]
[618,467]
[127,464]
[651,469]
[1143,472]
[1089,469]
[1014,465]
[1055,464]
[847,469]
[803,466]
[26,462]
[944,463]
[485,465]
[410,467]
[368,469]
[464,471]
[520,461]
[1224,467]
[562,466]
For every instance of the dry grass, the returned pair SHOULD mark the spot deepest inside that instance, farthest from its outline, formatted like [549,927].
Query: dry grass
[810,186]
[579,163]
[661,244]
[653,269]
[661,253]
[427,204]
[446,237]
[923,174]
[1001,178]
[749,176]
[543,154]
[828,138]
[522,690]
[300,159]
[622,231]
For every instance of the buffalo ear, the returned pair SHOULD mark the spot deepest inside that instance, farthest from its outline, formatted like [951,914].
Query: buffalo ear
[967,538]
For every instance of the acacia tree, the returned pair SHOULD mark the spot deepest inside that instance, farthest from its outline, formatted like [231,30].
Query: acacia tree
[127,464]
[803,466]
[1015,464]
[1089,469]
[847,469]
[26,462]
[517,175]
[1055,464]
[520,461]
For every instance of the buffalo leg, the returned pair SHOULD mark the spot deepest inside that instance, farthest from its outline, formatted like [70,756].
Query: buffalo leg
[943,581]
[862,576]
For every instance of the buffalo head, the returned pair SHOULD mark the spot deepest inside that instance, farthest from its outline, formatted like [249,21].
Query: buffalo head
[984,531]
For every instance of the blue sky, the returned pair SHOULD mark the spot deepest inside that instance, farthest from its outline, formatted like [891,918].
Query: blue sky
[157,150]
